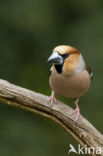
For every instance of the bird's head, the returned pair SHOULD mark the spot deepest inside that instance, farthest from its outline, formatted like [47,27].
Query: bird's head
[65,59]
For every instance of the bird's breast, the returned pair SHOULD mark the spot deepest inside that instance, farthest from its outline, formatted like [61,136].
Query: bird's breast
[72,86]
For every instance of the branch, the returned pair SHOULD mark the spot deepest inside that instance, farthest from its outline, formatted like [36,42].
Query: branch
[82,130]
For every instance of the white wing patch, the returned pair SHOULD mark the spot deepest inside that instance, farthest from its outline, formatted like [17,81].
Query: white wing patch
[81,65]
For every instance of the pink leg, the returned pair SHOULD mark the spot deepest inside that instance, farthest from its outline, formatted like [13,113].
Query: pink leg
[52,98]
[77,111]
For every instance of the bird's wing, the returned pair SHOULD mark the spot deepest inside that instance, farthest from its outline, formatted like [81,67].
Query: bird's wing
[88,68]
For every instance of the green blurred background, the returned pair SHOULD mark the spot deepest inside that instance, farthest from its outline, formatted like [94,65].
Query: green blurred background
[29,30]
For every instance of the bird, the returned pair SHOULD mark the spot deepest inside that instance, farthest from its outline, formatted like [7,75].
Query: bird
[70,75]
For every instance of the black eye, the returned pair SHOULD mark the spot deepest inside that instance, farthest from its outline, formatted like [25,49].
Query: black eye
[65,55]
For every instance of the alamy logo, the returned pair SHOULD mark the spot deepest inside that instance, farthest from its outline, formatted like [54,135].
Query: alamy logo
[84,150]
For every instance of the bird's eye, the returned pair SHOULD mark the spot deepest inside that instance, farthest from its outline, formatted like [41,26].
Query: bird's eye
[65,55]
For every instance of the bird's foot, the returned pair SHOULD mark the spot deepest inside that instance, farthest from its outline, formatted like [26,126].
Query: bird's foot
[52,99]
[77,111]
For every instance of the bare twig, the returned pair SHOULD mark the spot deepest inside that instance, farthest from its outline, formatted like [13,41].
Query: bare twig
[82,130]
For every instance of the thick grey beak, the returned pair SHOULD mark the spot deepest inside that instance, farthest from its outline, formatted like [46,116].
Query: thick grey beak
[55,58]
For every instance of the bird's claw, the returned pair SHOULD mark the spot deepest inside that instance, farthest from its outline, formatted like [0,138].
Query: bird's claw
[77,114]
[52,100]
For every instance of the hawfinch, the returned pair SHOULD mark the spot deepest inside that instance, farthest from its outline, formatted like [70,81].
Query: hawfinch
[70,76]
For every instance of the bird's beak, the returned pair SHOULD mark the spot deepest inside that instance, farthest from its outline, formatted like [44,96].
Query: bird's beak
[55,58]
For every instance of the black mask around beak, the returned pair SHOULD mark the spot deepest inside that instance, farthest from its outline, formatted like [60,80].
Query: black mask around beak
[55,58]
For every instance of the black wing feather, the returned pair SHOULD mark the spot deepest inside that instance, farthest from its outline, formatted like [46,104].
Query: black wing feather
[89,71]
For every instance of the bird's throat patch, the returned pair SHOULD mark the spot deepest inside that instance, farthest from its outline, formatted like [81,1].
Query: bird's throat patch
[59,68]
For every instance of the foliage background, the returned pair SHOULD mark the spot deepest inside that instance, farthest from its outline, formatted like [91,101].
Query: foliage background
[29,30]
